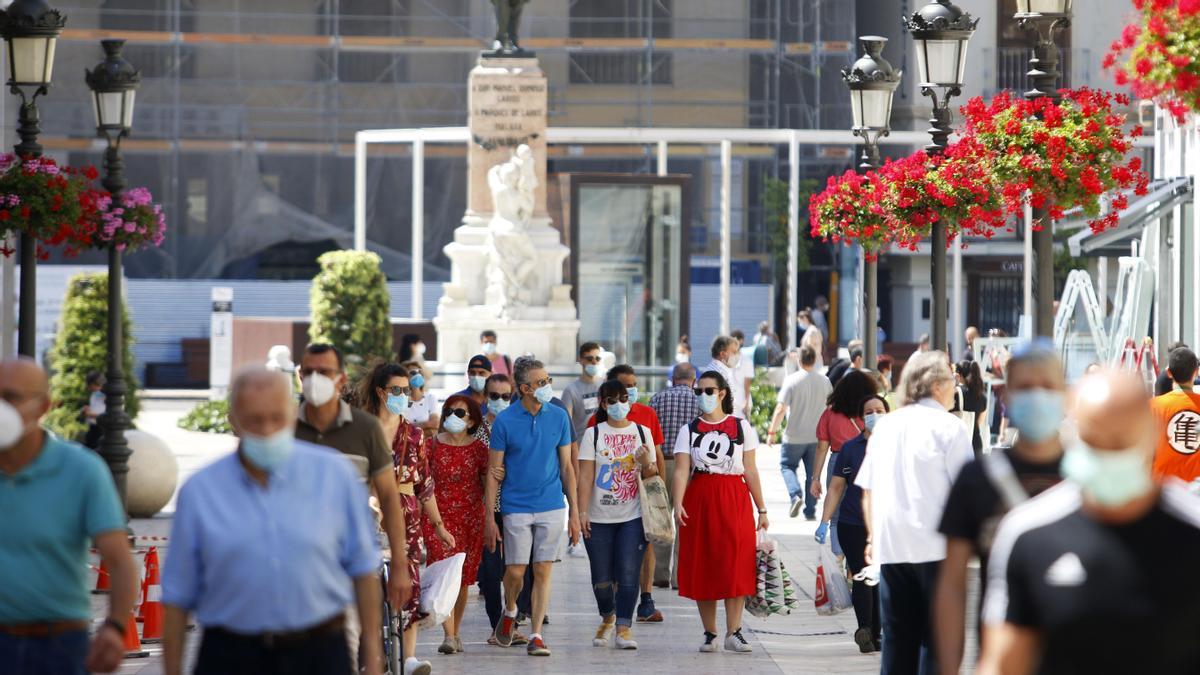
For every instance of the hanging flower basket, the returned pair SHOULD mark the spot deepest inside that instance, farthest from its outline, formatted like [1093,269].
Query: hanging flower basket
[49,202]
[1158,56]
[1065,154]
[851,210]
[131,222]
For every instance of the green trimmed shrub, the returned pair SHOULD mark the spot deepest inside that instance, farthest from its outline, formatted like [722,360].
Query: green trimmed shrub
[762,400]
[351,306]
[208,416]
[81,347]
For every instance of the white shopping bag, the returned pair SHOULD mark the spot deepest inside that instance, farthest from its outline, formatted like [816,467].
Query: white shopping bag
[440,583]
[833,592]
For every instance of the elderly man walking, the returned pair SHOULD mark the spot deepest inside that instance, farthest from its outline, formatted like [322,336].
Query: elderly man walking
[675,406]
[269,546]
[55,497]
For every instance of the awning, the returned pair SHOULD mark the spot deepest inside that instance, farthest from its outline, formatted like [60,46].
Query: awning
[1163,195]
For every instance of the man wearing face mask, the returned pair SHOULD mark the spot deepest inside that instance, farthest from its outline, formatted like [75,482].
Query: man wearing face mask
[1097,575]
[579,396]
[479,369]
[55,497]
[991,486]
[488,346]
[267,546]
[325,419]
[726,360]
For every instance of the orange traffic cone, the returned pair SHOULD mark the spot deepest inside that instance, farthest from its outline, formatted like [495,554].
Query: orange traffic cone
[152,609]
[133,645]
[101,580]
[141,606]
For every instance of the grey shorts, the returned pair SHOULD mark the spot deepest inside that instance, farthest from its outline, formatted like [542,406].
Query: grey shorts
[532,537]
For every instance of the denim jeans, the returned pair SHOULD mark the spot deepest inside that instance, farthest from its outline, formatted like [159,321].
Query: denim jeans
[615,552]
[61,654]
[905,591]
[789,461]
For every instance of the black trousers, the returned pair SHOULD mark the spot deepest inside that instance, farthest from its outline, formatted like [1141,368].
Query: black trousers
[225,653]
[866,598]
[906,590]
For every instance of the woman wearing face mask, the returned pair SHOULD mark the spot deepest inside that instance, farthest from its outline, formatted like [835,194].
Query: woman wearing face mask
[971,398]
[412,348]
[852,529]
[458,462]
[611,456]
[838,424]
[715,481]
[499,391]
[423,410]
[384,393]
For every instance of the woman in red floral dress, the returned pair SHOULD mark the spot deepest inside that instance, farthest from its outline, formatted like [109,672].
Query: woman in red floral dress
[385,395]
[458,461]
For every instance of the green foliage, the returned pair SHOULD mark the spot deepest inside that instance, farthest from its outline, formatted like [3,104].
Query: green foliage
[81,347]
[350,306]
[762,398]
[208,416]
[775,214]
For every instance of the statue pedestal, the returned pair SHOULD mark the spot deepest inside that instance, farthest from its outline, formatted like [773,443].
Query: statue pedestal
[507,104]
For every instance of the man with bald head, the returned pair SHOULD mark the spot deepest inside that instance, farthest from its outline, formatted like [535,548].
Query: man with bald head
[1097,574]
[55,498]
[269,546]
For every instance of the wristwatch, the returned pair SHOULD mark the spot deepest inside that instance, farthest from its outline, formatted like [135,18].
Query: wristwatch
[762,512]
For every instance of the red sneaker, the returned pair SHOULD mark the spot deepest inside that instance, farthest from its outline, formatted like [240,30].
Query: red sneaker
[505,630]
[537,647]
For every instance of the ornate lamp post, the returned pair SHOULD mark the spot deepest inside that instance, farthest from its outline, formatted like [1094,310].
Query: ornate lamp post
[114,83]
[30,29]
[872,81]
[1043,20]
[941,31]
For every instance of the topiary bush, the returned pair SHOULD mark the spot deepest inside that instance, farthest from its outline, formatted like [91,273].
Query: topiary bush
[351,306]
[762,402]
[208,416]
[81,347]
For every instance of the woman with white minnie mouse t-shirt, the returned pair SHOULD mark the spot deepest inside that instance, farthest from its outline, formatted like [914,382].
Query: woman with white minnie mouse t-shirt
[715,480]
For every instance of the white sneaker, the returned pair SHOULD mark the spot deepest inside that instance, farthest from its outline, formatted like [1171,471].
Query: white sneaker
[602,633]
[412,666]
[737,644]
[710,643]
[625,638]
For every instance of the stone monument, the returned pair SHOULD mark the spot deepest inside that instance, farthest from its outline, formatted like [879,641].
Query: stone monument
[506,259]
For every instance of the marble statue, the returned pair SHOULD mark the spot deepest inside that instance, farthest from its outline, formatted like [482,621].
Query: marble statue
[511,254]
[508,20]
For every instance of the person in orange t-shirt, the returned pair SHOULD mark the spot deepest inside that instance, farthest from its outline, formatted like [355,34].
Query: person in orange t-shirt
[1178,417]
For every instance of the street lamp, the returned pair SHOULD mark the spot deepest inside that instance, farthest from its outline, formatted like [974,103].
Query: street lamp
[114,84]
[941,31]
[872,81]
[1043,20]
[30,29]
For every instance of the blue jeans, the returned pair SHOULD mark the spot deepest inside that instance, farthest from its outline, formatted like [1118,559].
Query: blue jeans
[61,654]
[905,591]
[615,552]
[789,461]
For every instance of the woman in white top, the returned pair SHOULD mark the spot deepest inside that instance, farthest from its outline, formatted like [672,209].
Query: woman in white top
[423,410]
[611,455]
[715,480]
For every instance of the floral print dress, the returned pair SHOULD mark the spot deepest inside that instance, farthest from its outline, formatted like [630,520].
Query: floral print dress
[411,464]
[458,472]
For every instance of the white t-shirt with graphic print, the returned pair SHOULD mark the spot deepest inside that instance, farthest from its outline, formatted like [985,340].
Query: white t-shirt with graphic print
[615,486]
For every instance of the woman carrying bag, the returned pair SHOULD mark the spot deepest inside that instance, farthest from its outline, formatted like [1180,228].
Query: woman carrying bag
[715,481]
[613,455]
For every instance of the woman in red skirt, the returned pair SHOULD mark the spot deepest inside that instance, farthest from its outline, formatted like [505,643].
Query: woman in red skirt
[715,480]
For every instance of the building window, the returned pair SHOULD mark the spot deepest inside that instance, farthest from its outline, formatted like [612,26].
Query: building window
[372,18]
[1013,49]
[621,19]
[153,60]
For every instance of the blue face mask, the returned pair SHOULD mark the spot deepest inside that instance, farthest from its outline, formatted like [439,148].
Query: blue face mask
[544,394]
[268,452]
[498,406]
[1036,413]
[454,424]
[477,382]
[618,411]
[591,369]
[633,394]
[1112,478]
[870,420]
[397,404]
[417,381]
[708,402]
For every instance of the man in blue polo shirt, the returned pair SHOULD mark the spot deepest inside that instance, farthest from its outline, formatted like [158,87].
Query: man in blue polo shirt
[55,497]
[532,441]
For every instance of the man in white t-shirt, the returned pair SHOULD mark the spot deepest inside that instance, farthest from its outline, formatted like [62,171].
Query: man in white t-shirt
[726,358]
[915,454]
[802,398]
[744,371]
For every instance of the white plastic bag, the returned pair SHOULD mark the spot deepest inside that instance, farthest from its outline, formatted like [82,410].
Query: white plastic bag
[440,583]
[833,592]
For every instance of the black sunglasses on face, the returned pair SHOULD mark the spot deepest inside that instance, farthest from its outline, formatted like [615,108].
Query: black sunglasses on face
[711,391]
[592,359]
[398,390]
[495,396]
[623,398]
[458,412]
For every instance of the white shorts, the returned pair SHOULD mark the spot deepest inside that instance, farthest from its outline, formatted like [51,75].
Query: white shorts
[532,537]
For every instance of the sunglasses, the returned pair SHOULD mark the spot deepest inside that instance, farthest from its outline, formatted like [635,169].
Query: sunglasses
[592,359]
[711,391]
[398,390]
[623,398]
[499,397]
[460,413]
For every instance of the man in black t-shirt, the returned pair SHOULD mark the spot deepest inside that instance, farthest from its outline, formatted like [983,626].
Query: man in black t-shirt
[989,487]
[1098,574]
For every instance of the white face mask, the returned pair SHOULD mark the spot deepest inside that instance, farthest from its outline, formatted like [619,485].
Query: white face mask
[733,360]
[12,427]
[419,349]
[318,389]
[488,348]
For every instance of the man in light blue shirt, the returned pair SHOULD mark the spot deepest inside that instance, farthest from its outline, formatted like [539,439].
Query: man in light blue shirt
[268,547]
[532,441]
[55,496]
